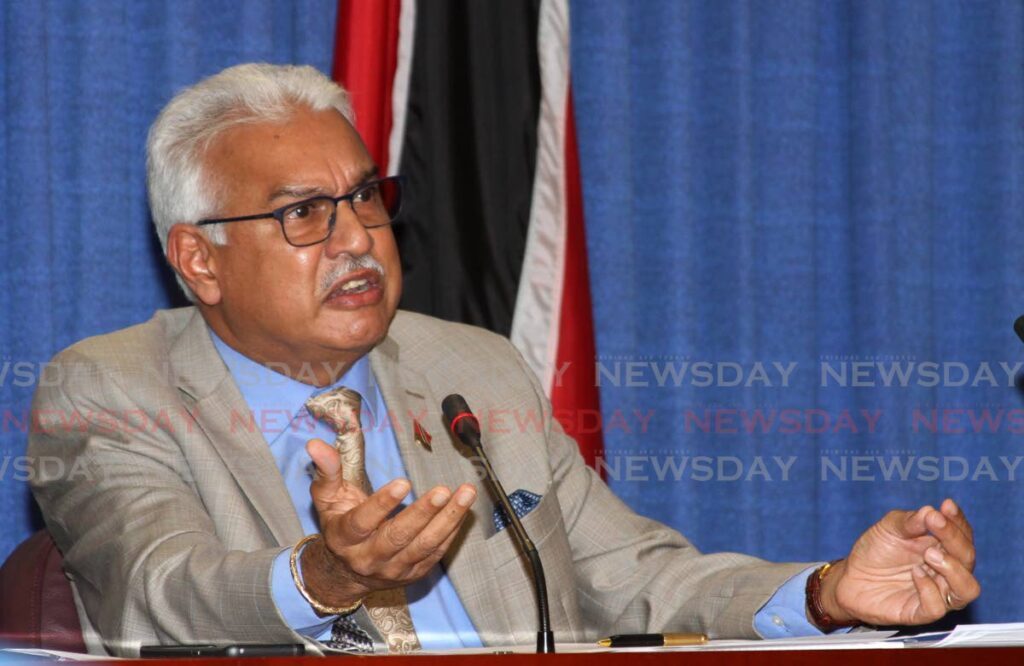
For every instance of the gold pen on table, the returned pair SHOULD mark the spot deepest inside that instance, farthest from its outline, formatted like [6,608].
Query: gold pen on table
[653,640]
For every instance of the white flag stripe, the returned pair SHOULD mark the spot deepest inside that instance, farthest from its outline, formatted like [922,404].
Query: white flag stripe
[400,84]
[537,315]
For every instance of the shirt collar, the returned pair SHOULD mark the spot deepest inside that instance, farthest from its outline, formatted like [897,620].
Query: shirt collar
[267,391]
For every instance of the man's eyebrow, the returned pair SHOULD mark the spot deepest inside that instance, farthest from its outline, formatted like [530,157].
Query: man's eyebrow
[306,192]
[296,192]
[368,175]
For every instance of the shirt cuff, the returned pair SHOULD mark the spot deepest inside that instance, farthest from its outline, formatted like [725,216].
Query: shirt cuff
[785,614]
[292,606]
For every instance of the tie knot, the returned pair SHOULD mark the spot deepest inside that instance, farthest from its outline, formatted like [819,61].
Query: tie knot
[338,408]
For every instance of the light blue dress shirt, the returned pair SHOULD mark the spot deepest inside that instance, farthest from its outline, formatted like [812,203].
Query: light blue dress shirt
[278,406]
[785,616]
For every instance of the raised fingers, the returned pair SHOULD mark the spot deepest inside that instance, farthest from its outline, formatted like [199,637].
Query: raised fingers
[962,586]
[400,531]
[428,543]
[423,566]
[363,521]
[932,605]
[952,537]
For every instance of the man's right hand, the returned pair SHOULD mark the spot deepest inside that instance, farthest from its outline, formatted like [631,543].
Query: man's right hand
[362,549]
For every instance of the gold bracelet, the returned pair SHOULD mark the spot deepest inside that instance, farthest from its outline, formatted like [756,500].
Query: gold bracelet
[317,606]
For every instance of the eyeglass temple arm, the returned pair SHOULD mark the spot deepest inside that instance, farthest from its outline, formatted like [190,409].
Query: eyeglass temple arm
[244,218]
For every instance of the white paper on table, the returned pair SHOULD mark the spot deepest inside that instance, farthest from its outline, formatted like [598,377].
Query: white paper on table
[981,635]
[856,640]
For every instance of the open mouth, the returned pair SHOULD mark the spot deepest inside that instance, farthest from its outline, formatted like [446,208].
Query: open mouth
[355,284]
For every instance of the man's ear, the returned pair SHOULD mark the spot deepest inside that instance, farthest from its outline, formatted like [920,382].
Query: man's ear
[194,258]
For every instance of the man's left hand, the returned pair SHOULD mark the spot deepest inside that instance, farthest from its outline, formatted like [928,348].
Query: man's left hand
[912,567]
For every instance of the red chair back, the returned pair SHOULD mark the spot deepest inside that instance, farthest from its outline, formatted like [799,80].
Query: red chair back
[37,607]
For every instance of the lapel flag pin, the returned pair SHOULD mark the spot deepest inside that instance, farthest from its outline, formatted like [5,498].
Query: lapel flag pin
[422,436]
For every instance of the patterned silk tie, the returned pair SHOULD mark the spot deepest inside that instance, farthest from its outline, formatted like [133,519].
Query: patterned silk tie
[388,609]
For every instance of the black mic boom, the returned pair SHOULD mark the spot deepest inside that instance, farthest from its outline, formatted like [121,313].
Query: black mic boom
[465,426]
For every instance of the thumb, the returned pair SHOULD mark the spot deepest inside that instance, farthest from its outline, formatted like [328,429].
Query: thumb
[327,460]
[910,524]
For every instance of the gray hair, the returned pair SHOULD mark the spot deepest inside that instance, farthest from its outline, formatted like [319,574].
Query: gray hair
[179,190]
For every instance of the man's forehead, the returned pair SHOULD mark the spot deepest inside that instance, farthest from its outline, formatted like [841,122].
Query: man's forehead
[315,152]
[297,126]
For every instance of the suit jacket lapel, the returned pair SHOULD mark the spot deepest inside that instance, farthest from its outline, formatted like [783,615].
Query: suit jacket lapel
[468,562]
[222,414]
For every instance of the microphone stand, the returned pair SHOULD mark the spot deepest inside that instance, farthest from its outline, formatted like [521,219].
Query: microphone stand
[469,434]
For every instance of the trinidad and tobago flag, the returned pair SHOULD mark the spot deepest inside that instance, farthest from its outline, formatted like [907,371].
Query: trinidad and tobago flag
[471,102]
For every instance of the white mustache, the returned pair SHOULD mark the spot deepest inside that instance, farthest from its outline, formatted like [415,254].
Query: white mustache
[349,265]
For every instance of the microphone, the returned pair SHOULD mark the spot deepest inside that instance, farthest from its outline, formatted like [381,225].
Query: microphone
[1018,327]
[466,427]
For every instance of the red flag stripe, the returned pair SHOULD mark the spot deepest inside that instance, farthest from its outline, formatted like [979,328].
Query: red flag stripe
[574,394]
[365,57]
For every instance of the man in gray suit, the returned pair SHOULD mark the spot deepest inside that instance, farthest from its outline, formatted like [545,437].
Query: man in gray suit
[193,517]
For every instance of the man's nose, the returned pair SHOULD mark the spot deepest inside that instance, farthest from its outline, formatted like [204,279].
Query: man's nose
[349,235]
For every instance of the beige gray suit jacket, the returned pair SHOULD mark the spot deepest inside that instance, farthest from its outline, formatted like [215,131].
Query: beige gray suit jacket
[170,508]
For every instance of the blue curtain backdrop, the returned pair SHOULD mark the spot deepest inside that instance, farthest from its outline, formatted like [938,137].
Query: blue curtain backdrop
[812,183]
[80,83]
[808,183]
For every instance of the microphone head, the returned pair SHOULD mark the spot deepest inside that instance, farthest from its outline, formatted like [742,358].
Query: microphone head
[1018,326]
[454,405]
[457,414]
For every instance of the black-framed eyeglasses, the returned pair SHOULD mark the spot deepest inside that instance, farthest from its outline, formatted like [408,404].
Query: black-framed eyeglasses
[311,221]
